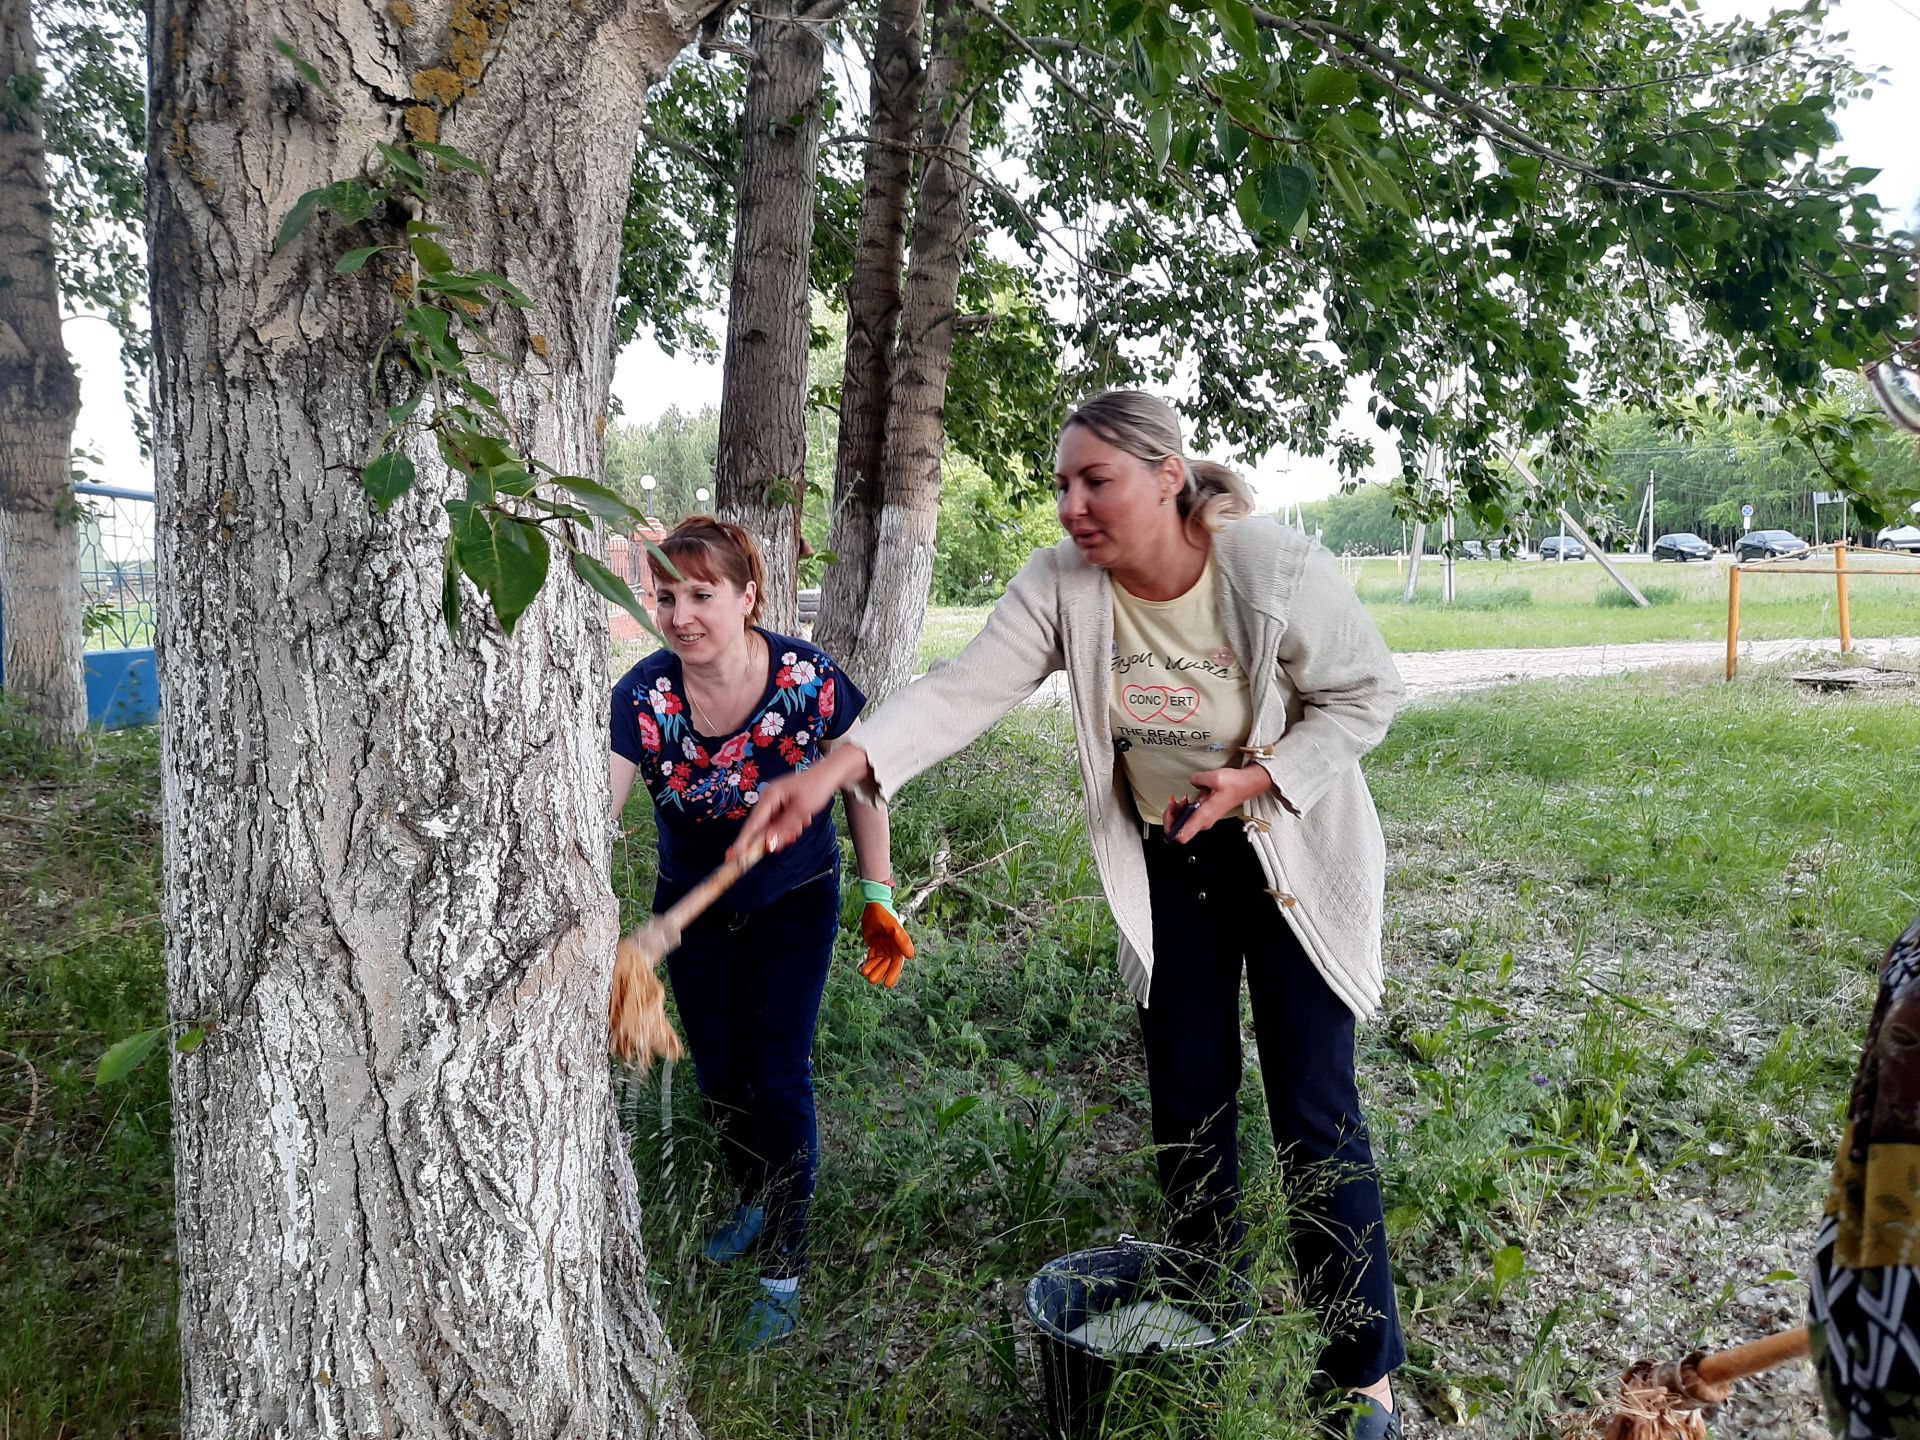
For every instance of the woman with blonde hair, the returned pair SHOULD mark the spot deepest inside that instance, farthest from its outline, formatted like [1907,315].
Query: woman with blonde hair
[1224,683]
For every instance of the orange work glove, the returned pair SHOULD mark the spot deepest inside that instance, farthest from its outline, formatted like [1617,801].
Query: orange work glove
[889,947]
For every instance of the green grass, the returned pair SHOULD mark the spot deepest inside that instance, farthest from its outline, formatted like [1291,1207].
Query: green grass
[86,1178]
[1632,932]
[1514,604]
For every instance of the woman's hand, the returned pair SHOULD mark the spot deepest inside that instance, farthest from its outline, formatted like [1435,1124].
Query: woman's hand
[1217,793]
[787,805]
[889,947]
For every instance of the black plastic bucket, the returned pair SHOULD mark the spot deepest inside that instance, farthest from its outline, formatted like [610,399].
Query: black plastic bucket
[1077,1378]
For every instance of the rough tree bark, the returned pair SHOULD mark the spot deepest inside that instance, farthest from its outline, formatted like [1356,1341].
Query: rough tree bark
[761,465]
[873,320]
[404,1205]
[40,595]
[888,638]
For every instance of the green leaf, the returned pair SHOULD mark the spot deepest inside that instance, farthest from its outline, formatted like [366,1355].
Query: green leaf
[607,504]
[192,1040]
[297,218]
[1121,15]
[430,323]
[611,586]
[1340,181]
[123,1055]
[1186,147]
[563,511]
[349,200]
[524,559]
[400,160]
[466,448]
[515,295]
[506,558]
[1509,1263]
[388,478]
[1285,190]
[354,261]
[1231,137]
[1238,25]
[1160,133]
[431,254]
[450,158]
[1246,199]
[1380,183]
[308,71]
[1326,85]
[450,586]
[482,396]
[398,415]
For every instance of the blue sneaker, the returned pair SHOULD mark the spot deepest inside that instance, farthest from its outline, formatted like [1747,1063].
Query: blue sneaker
[738,1236]
[771,1319]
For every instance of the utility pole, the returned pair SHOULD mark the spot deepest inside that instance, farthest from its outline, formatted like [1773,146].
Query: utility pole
[1649,507]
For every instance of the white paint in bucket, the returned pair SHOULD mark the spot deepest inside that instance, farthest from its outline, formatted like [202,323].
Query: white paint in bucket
[1143,1326]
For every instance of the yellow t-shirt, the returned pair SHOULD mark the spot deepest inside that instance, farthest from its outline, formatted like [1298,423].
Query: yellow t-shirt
[1180,701]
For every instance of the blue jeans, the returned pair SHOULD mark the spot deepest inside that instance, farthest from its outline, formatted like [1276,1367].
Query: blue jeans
[748,986]
[1212,918]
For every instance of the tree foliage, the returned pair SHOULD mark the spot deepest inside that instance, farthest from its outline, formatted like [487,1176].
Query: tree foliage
[95,114]
[1703,471]
[1494,216]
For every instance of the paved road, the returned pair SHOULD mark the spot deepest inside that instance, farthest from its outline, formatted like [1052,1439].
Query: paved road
[1431,673]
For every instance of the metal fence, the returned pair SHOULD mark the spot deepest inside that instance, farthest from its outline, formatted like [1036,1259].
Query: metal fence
[116,566]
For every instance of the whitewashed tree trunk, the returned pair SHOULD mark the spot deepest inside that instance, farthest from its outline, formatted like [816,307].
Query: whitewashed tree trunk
[901,573]
[41,602]
[896,76]
[405,1208]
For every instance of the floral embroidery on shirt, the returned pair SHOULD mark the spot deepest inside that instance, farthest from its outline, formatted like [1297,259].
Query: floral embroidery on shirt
[724,782]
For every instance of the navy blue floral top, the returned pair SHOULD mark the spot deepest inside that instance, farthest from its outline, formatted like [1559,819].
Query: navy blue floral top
[703,786]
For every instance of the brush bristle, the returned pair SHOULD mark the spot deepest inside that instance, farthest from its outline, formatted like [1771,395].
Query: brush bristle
[638,1032]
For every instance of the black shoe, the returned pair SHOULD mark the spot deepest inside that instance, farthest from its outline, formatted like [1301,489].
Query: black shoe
[1360,1417]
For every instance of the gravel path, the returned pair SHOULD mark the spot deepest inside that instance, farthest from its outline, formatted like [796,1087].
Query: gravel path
[1431,673]
[1443,672]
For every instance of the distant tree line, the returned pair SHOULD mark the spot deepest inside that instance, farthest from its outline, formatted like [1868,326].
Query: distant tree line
[1701,477]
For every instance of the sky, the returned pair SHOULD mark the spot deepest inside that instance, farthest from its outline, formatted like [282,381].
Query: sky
[1882,131]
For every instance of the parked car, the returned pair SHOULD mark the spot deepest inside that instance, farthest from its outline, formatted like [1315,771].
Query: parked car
[1682,545]
[1562,547]
[1768,545]
[1472,550]
[1900,537]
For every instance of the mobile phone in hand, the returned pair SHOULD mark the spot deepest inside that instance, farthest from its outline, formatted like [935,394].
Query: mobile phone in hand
[1180,818]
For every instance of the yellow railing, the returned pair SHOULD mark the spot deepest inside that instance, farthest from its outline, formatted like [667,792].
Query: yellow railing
[1797,565]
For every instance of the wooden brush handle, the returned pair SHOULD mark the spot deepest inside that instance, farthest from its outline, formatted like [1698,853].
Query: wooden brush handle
[1723,1367]
[691,906]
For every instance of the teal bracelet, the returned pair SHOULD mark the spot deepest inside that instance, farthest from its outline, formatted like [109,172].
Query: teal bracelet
[878,892]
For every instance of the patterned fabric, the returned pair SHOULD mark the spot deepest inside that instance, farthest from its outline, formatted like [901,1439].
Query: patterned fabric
[704,786]
[1864,1291]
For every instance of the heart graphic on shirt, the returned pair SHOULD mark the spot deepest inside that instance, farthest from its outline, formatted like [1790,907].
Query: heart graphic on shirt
[1148,703]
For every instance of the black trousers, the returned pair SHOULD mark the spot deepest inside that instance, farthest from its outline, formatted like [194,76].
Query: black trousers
[1212,919]
[748,985]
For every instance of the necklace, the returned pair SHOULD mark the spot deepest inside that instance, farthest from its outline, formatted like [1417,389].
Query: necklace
[700,716]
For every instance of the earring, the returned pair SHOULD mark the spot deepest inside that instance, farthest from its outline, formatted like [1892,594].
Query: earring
[1164,499]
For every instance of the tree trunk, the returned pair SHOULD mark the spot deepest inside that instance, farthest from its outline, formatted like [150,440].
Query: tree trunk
[40,598]
[761,468]
[902,573]
[873,320]
[404,1204]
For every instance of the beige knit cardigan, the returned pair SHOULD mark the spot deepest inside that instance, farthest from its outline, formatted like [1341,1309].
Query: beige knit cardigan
[1329,693]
